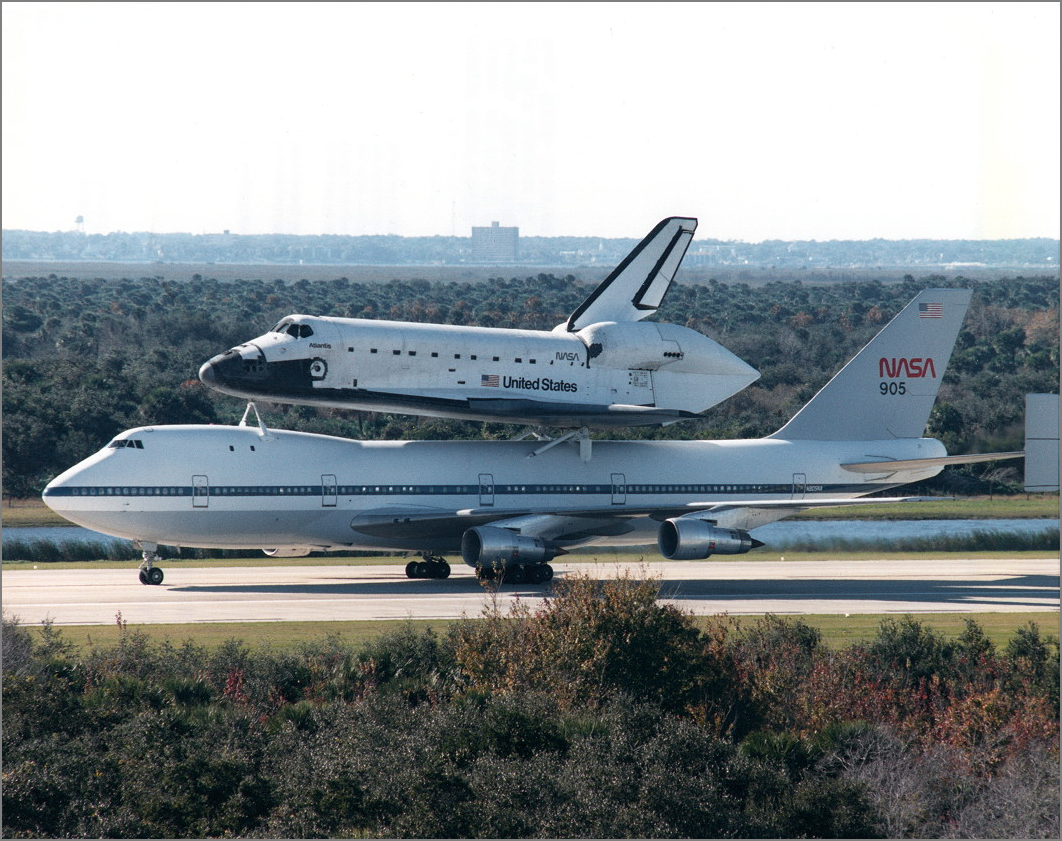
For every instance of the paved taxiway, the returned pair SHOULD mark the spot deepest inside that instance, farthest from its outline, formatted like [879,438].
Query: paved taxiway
[343,593]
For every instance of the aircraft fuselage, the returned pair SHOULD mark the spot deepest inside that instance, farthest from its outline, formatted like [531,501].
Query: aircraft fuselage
[233,487]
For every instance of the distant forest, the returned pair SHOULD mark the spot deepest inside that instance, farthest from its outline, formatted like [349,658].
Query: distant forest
[86,358]
[951,255]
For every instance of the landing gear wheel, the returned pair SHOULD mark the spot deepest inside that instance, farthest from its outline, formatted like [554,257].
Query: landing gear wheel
[149,573]
[547,572]
[433,566]
[516,574]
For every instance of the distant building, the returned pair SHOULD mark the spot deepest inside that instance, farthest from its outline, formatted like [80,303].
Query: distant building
[495,244]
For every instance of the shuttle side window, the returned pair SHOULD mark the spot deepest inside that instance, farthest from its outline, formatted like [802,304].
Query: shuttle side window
[282,326]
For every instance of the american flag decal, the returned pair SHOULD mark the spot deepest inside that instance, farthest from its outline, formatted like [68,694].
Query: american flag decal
[930,310]
[488,380]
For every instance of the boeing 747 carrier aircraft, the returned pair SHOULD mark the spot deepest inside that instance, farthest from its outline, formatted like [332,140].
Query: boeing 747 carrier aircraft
[513,506]
[600,368]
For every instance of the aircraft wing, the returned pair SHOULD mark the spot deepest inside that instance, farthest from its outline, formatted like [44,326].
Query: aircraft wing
[412,523]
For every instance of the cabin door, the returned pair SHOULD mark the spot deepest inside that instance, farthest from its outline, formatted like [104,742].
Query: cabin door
[800,484]
[200,492]
[486,489]
[329,491]
[619,489]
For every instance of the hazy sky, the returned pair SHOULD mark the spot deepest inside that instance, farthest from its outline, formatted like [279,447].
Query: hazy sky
[788,121]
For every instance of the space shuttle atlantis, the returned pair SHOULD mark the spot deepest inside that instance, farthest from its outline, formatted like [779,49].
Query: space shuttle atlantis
[603,367]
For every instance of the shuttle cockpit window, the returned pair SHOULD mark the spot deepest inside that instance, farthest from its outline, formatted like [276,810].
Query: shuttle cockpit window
[296,331]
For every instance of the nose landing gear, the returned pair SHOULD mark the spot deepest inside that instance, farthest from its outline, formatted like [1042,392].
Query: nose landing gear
[149,573]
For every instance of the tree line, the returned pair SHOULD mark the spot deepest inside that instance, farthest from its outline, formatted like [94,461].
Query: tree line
[87,358]
[605,713]
[533,250]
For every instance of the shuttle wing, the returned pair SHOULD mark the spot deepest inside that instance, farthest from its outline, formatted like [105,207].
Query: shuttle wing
[637,286]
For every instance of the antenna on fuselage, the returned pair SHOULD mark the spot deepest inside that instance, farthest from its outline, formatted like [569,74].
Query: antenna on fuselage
[263,432]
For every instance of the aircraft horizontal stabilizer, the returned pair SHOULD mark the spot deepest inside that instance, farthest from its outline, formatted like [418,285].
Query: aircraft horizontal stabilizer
[891,466]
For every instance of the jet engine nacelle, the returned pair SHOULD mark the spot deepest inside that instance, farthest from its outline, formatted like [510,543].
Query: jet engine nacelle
[288,552]
[683,539]
[486,547]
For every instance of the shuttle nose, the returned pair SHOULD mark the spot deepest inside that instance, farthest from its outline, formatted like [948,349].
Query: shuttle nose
[207,374]
[240,367]
[244,371]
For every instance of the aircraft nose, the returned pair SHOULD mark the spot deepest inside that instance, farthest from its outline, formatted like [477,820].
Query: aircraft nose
[60,494]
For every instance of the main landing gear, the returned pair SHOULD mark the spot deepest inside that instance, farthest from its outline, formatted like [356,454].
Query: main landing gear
[517,574]
[149,573]
[433,566]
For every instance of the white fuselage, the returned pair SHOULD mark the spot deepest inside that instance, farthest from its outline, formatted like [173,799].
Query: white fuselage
[235,487]
[605,375]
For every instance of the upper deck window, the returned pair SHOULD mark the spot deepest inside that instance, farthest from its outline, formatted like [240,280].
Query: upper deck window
[117,443]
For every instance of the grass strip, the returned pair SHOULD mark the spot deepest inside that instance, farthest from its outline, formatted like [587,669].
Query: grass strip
[837,631]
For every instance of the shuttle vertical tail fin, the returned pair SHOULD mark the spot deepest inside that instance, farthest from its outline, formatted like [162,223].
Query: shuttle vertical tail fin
[637,286]
[887,390]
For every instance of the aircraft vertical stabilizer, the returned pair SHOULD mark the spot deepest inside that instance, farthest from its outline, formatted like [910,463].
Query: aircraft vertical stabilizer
[637,286]
[887,390]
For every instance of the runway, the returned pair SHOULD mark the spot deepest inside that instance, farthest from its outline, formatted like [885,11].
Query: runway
[345,593]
